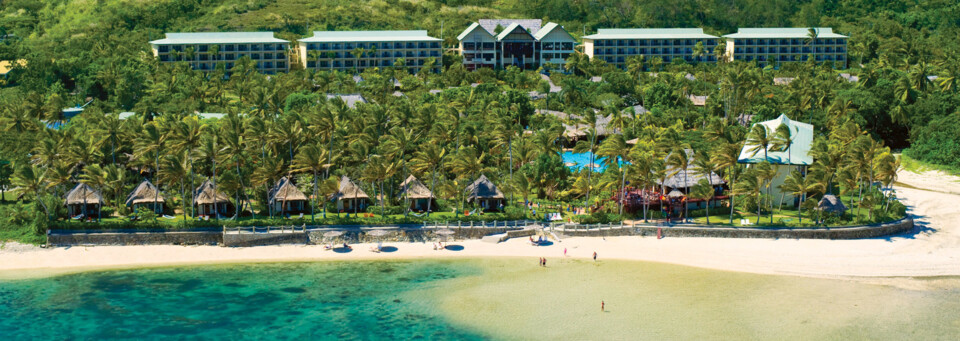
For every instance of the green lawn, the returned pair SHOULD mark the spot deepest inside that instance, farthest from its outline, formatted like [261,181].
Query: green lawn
[787,217]
[917,166]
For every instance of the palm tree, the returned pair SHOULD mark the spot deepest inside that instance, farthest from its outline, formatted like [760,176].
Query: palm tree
[615,150]
[799,185]
[186,136]
[429,158]
[782,141]
[149,144]
[313,158]
[175,168]
[635,65]
[357,53]
[704,191]
[765,172]
[32,179]
[758,140]
[726,158]
[679,161]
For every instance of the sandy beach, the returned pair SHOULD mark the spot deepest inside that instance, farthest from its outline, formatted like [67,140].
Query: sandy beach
[931,250]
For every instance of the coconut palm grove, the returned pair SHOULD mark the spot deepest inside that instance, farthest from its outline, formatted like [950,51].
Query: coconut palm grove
[99,134]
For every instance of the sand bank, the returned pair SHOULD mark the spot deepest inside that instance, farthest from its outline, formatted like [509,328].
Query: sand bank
[932,249]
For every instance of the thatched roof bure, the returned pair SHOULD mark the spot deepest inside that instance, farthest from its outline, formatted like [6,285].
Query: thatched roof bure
[208,194]
[83,194]
[349,190]
[414,189]
[285,191]
[145,193]
[483,188]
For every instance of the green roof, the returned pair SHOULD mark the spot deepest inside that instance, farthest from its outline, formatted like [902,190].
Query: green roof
[650,33]
[784,32]
[368,36]
[469,29]
[218,38]
[546,29]
[797,154]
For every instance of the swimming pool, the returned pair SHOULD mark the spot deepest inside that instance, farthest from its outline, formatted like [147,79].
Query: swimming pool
[576,161]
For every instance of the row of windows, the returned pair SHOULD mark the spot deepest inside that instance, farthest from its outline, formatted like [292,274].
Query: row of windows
[789,50]
[223,48]
[229,65]
[666,59]
[362,63]
[384,54]
[795,41]
[654,42]
[634,51]
[224,56]
[791,58]
[543,46]
[384,45]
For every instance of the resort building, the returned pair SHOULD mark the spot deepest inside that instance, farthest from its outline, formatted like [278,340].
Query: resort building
[775,46]
[286,197]
[350,197]
[418,194]
[360,50]
[205,50]
[83,202]
[485,194]
[616,45]
[524,43]
[210,201]
[785,161]
[145,197]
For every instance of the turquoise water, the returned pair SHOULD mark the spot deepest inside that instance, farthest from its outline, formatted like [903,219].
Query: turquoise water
[352,300]
[581,160]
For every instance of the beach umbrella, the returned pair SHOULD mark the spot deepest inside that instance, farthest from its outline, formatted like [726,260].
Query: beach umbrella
[377,233]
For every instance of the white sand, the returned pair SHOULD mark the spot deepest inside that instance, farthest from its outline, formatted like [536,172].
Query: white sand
[933,251]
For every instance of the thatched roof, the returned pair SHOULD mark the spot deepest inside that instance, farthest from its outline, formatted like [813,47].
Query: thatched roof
[414,189]
[349,190]
[483,188]
[831,204]
[350,100]
[693,175]
[676,194]
[698,100]
[783,80]
[208,194]
[145,193]
[284,190]
[580,130]
[81,194]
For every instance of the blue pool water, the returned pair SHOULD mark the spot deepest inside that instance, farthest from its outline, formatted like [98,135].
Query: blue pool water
[354,300]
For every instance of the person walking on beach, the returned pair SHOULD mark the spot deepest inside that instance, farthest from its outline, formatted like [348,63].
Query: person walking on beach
[602,306]
[564,252]
[594,256]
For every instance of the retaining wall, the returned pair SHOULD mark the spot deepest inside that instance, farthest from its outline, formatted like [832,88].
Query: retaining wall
[64,238]
[850,232]
[264,238]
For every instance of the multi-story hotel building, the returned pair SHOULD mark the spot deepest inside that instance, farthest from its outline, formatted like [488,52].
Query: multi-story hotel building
[775,46]
[523,43]
[205,50]
[334,50]
[616,46]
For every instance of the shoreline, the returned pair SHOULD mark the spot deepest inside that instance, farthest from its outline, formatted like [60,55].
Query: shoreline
[931,250]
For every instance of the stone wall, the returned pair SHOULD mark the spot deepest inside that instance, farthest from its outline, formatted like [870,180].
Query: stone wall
[65,238]
[851,232]
[264,238]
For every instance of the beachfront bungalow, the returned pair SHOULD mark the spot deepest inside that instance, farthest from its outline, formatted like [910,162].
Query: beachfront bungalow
[83,201]
[350,197]
[485,194]
[419,195]
[145,197]
[210,201]
[794,158]
[286,197]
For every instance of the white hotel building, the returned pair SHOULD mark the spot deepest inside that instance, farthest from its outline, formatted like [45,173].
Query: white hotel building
[775,46]
[334,50]
[204,50]
[616,45]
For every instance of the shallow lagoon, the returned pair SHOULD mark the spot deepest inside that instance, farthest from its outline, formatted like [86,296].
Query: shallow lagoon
[503,298]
